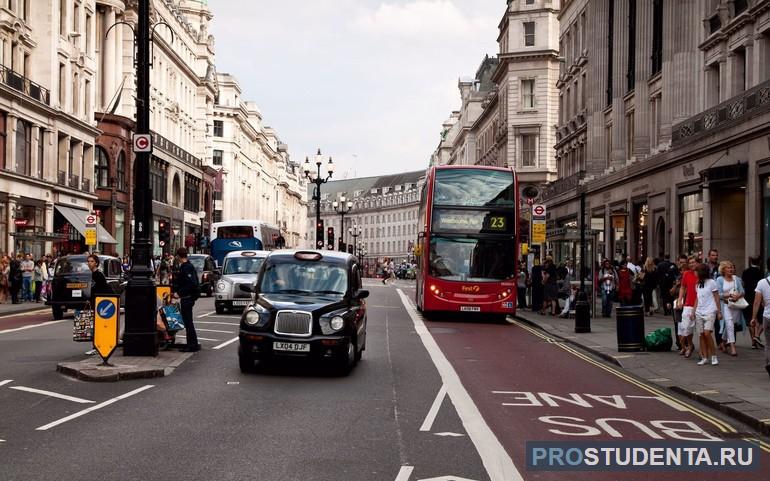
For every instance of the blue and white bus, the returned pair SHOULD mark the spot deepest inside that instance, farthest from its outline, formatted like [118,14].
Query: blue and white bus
[238,235]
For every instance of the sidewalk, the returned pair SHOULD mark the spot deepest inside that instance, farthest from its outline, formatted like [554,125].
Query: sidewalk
[10,309]
[738,386]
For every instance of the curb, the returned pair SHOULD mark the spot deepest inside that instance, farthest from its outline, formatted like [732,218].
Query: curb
[96,375]
[761,425]
[23,310]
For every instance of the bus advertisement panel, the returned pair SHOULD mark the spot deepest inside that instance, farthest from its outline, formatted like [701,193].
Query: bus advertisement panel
[468,244]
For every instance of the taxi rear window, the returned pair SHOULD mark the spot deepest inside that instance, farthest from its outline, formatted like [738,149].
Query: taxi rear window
[71,266]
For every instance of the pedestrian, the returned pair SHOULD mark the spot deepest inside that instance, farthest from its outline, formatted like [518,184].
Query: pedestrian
[730,291]
[536,286]
[521,285]
[713,263]
[99,286]
[649,282]
[751,277]
[27,273]
[706,314]
[551,288]
[673,294]
[667,274]
[686,302]
[187,286]
[37,279]
[625,284]
[762,298]
[608,281]
[15,278]
[635,270]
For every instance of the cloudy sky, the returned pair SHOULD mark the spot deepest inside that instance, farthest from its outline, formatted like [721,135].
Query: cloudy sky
[367,81]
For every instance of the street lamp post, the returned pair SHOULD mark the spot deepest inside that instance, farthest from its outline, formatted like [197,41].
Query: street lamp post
[355,231]
[342,208]
[318,181]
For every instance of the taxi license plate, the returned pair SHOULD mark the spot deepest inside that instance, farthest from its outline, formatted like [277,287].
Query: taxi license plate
[76,285]
[77,293]
[291,346]
[240,303]
[470,308]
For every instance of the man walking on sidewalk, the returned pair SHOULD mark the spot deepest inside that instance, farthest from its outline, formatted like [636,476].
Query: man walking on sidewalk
[27,271]
[187,286]
[762,298]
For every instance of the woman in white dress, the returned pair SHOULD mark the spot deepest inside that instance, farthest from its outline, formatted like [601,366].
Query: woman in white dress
[730,290]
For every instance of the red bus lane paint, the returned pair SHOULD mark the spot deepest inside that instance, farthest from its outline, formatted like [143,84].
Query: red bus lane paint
[496,460]
[531,388]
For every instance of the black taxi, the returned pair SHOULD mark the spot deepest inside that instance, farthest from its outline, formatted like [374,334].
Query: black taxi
[71,282]
[306,304]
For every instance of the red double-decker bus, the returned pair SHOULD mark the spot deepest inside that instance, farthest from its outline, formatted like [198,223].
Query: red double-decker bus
[468,245]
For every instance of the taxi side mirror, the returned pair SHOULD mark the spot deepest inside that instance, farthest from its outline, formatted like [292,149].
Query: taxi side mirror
[361,294]
[247,288]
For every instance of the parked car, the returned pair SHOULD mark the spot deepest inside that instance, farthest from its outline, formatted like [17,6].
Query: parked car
[71,282]
[239,267]
[208,274]
[307,304]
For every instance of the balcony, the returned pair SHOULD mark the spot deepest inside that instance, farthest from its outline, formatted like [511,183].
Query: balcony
[62,178]
[24,85]
[560,186]
[74,182]
[86,185]
[740,108]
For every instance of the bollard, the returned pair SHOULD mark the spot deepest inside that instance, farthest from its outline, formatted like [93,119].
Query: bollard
[582,314]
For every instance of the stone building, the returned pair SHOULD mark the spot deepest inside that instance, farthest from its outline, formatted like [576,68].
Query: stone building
[47,131]
[667,136]
[384,208]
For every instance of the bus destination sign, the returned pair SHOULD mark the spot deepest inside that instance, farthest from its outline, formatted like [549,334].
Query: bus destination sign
[471,221]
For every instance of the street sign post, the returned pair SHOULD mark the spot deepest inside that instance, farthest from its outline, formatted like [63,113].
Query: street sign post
[106,326]
[90,233]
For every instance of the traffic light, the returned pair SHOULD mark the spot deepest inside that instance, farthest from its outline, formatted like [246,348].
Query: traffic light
[330,236]
[319,234]
[163,233]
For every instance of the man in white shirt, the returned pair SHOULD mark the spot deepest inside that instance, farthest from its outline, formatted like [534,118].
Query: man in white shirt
[632,267]
[762,298]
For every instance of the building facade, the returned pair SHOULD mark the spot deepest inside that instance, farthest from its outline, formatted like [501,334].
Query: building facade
[668,136]
[384,209]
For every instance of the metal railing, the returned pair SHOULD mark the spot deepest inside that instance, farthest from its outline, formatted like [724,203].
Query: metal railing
[24,85]
[86,185]
[74,181]
[562,185]
[62,178]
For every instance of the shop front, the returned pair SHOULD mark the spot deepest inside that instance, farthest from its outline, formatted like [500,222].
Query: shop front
[28,221]
[70,223]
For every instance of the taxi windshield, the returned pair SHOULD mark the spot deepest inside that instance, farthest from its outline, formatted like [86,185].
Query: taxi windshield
[242,265]
[304,278]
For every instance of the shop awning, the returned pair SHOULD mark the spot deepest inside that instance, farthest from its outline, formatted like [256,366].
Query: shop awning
[77,218]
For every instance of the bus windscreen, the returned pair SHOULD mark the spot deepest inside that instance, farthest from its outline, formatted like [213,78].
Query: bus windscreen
[469,259]
[235,232]
[474,188]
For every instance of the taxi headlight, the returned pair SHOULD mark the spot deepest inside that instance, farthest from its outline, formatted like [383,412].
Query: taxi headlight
[221,286]
[337,323]
[252,318]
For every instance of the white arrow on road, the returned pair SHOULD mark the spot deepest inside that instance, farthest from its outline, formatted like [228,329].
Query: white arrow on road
[446,478]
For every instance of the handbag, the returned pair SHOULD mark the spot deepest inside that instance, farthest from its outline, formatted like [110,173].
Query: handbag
[739,304]
[173,317]
[83,324]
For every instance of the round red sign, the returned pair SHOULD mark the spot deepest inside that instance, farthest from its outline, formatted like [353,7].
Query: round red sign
[90,219]
[538,210]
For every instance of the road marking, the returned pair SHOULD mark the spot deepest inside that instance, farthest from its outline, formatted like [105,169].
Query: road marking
[52,394]
[214,330]
[721,425]
[428,423]
[453,435]
[404,473]
[3,383]
[26,313]
[218,322]
[226,343]
[93,408]
[33,325]
[199,338]
[207,314]
[496,460]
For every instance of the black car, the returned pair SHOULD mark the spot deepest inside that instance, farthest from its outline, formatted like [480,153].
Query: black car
[71,282]
[208,274]
[307,304]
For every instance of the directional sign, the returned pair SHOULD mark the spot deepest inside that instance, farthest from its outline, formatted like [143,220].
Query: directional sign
[142,143]
[538,210]
[106,325]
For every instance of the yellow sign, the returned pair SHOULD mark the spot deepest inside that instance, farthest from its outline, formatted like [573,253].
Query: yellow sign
[418,250]
[91,237]
[524,248]
[161,292]
[106,325]
[538,232]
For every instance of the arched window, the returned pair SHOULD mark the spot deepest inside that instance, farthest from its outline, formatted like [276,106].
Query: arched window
[122,171]
[176,192]
[101,167]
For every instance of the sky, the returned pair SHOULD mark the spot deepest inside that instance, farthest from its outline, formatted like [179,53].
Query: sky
[369,82]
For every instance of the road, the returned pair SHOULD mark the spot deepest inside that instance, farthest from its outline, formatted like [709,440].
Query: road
[431,400]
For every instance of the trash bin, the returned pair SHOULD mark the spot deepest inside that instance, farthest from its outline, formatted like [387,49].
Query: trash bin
[630,328]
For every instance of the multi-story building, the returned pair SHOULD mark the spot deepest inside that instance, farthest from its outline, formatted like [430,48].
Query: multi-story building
[47,131]
[668,140]
[259,181]
[384,208]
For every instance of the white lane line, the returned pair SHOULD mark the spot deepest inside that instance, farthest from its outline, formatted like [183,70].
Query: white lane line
[52,394]
[93,408]
[34,325]
[214,330]
[199,338]
[6,381]
[496,460]
[218,322]
[404,473]
[207,314]
[226,343]
[428,423]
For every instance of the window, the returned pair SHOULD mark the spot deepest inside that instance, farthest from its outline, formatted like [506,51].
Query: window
[23,148]
[3,137]
[528,150]
[530,2]
[191,194]
[739,71]
[608,146]
[631,56]
[528,93]
[629,135]
[41,154]
[216,158]
[76,18]
[529,34]
[739,6]
[691,221]
[715,23]
[62,77]
[101,168]
[62,17]
[87,97]
[713,93]
[657,36]
[121,171]
[158,180]
[218,128]
[88,33]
